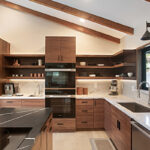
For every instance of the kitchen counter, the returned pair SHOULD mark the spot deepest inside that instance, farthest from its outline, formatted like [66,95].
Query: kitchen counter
[22,97]
[142,118]
[25,118]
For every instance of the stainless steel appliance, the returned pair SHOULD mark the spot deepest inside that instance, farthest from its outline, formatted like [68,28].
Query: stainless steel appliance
[9,89]
[140,137]
[113,88]
[60,75]
[62,102]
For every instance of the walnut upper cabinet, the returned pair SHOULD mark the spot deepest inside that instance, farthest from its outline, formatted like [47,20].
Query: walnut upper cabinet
[60,50]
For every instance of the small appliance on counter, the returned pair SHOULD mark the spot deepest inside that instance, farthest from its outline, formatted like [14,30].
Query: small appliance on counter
[113,88]
[9,89]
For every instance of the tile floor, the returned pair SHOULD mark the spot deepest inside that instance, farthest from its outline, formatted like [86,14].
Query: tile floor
[76,140]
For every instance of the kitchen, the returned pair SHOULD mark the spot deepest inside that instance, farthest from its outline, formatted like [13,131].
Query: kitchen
[70,82]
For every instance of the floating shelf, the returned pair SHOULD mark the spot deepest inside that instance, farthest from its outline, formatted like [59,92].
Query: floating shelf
[60,88]
[127,78]
[25,77]
[25,67]
[108,67]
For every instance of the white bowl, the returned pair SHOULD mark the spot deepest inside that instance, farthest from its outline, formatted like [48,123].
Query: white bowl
[130,74]
[82,63]
[100,65]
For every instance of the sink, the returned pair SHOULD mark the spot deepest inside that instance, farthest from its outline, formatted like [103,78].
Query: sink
[134,107]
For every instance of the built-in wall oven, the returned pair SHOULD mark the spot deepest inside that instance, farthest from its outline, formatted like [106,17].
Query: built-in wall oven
[60,89]
[62,102]
[60,75]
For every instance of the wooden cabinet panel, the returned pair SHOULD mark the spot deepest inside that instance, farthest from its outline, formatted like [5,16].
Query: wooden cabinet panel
[61,125]
[84,110]
[84,102]
[10,103]
[52,50]
[98,114]
[107,118]
[33,103]
[60,50]
[67,49]
[121,130]
[37,144]
[85,122]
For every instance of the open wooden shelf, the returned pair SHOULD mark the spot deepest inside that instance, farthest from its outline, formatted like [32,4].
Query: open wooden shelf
[109,67]
[60,88]
[25,77]
[127,78]
[25,67]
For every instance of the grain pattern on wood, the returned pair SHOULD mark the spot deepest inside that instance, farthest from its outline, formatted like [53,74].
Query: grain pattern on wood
[85,15]
[61,21]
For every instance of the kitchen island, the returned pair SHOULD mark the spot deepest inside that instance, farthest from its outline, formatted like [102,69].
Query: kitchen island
[24,128]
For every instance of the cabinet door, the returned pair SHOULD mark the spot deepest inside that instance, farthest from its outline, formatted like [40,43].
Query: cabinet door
[121,130]
[49,138]
[68,49]
[44,138]
[10,103]
[52,52]
[98,114]
[107,118]
[37,143]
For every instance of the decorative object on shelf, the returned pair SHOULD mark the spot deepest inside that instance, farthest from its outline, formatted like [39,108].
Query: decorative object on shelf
[31,74]
[92,75]
[146,35]
[39,62]
[21,75]
[82,63]
[117,76]
[35,75]
[100,65]
[130,74]
[16,63]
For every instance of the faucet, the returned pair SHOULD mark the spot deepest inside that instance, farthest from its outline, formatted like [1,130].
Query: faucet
[139,95]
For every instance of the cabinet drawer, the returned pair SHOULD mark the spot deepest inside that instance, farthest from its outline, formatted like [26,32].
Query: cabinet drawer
[84,102]
[10,103]
[61,125]
[84,110]
[33,103]
[84,122]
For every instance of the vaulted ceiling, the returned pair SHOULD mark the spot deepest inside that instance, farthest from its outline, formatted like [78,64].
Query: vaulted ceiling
[111,20]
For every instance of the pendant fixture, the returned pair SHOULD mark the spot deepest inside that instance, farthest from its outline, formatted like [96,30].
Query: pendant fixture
[146,35]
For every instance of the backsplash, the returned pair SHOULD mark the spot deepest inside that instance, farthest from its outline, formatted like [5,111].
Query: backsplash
[97,86]
[30,87]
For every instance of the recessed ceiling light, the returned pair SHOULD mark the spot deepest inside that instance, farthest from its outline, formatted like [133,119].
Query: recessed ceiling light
[82,20]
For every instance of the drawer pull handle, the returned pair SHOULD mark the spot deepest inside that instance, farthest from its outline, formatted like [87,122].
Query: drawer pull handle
[84,110]
[60,124]
[50,129]
[9,101]
[84,102]
[84,122]
[118,124]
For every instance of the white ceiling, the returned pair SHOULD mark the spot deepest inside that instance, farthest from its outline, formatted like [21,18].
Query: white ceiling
[133,13]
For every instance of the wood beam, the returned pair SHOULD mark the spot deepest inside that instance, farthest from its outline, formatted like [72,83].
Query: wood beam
[85,15]
[147,0]
[60,21]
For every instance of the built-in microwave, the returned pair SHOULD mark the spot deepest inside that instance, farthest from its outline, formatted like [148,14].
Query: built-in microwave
[60,76]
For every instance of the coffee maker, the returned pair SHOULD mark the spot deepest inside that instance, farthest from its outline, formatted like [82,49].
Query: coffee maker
[9,89]
[113,88]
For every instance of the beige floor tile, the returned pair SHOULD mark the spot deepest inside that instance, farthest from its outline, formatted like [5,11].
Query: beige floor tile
[75,140]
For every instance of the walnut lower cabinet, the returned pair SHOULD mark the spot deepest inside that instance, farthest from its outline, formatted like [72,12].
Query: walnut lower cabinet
[89,114]
[27,103]
[118,127]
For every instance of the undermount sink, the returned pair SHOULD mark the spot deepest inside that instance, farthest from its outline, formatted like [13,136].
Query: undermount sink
[134,107]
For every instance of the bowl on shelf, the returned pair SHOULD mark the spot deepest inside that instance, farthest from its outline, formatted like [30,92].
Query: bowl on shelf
[92,75]
[100,65]
[82,63]
[130,74]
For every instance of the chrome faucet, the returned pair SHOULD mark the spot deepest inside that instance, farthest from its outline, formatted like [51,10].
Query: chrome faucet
[139,95]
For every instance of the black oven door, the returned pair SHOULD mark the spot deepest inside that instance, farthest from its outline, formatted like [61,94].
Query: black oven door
[60,78]
[62,107]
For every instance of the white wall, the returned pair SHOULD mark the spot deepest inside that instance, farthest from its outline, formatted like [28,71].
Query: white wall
[26,33]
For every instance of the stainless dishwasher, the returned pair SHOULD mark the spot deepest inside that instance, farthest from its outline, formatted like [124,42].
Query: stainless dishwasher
[140,137]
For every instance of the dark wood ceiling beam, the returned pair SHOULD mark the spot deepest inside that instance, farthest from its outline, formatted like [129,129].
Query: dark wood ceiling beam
[60,21]
[85,15]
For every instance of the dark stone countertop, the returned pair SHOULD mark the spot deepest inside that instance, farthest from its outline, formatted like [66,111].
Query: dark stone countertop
[25,118]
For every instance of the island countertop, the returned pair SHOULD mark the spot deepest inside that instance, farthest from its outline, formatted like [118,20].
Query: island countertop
[25,118]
